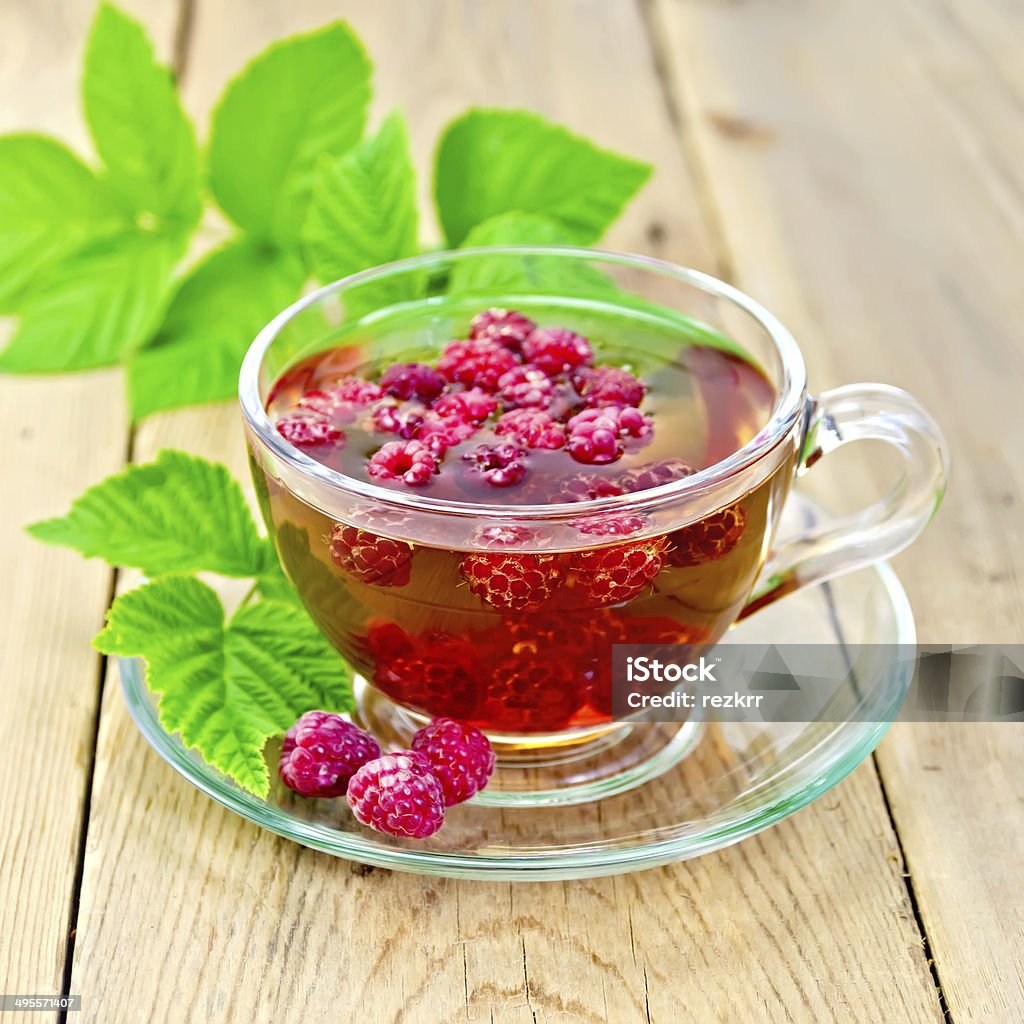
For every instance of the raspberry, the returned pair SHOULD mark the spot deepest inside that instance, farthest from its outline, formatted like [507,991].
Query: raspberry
[370,558]
[440,674]
[595,435]
[388,641]
[500,465]
[460,757]
[614,574]
[412,380]
[321,752]
[512,581]
[404,420]
[610,526]
[322,403]
[479,362]
[530,692]
[355,390]
[657,473]
[399,795]
[608,385]
[412,462]
[440,433]
[710,538]
[556,350]
[473,405]
[588,488]
[504,326]
[525,387]
[308,430]
[532,428]
[594,440]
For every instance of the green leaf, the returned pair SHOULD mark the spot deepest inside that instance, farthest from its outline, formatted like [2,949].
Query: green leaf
[215,314]
[96,305]
[363,210]
[137,122]
[491,162]
[301,99]
[50,204]
[513,273]
[175,515]
[226,688]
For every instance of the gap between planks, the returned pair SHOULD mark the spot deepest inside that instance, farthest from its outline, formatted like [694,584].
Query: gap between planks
[179,62]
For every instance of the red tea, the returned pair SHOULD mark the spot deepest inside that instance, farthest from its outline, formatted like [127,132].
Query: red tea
[512,636]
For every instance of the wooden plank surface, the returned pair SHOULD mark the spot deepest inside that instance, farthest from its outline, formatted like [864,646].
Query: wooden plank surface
[866,160]
[60,435]
[815,913]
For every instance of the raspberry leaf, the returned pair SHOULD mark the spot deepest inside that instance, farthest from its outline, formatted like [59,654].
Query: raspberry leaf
[226,687]
[50,204]
[137,122]
[301,99]
[178,514]
[211,321]
[491,162]
[96,305]
[530,274]
[363,211]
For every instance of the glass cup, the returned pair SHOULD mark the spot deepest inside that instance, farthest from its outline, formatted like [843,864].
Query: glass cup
[538,680]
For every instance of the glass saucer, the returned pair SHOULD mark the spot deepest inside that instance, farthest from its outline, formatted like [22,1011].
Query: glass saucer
[737,779]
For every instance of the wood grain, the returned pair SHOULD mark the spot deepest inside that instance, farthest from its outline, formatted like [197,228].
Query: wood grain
[59,436]
[866,161]
[814,914]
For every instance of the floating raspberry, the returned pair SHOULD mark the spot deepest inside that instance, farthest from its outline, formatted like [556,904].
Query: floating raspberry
[595,435]
[460,757]
[657,473]
[608,385]
[504,326]
[529,692]
[478,362]
[321,752]
[370,558]
[513,581]
[589,488]
[355,390]
[594,440]
[322,403]
[525,387]
[412,380]
[501,465]
[399,795]
[533,428]
[710,538]
[309,430]
[473,405]
[614,574]
[556,350]
[404,420]
[610,526]
[412,462]
[439,433]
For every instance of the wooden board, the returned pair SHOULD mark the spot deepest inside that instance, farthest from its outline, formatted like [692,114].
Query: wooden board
[865,159]
[60,435]
[815,914]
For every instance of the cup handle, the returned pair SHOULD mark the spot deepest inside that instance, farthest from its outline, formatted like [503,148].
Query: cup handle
[859,412]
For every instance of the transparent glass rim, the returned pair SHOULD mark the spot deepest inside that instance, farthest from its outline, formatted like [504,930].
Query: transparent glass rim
[786,412]
[803,781]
